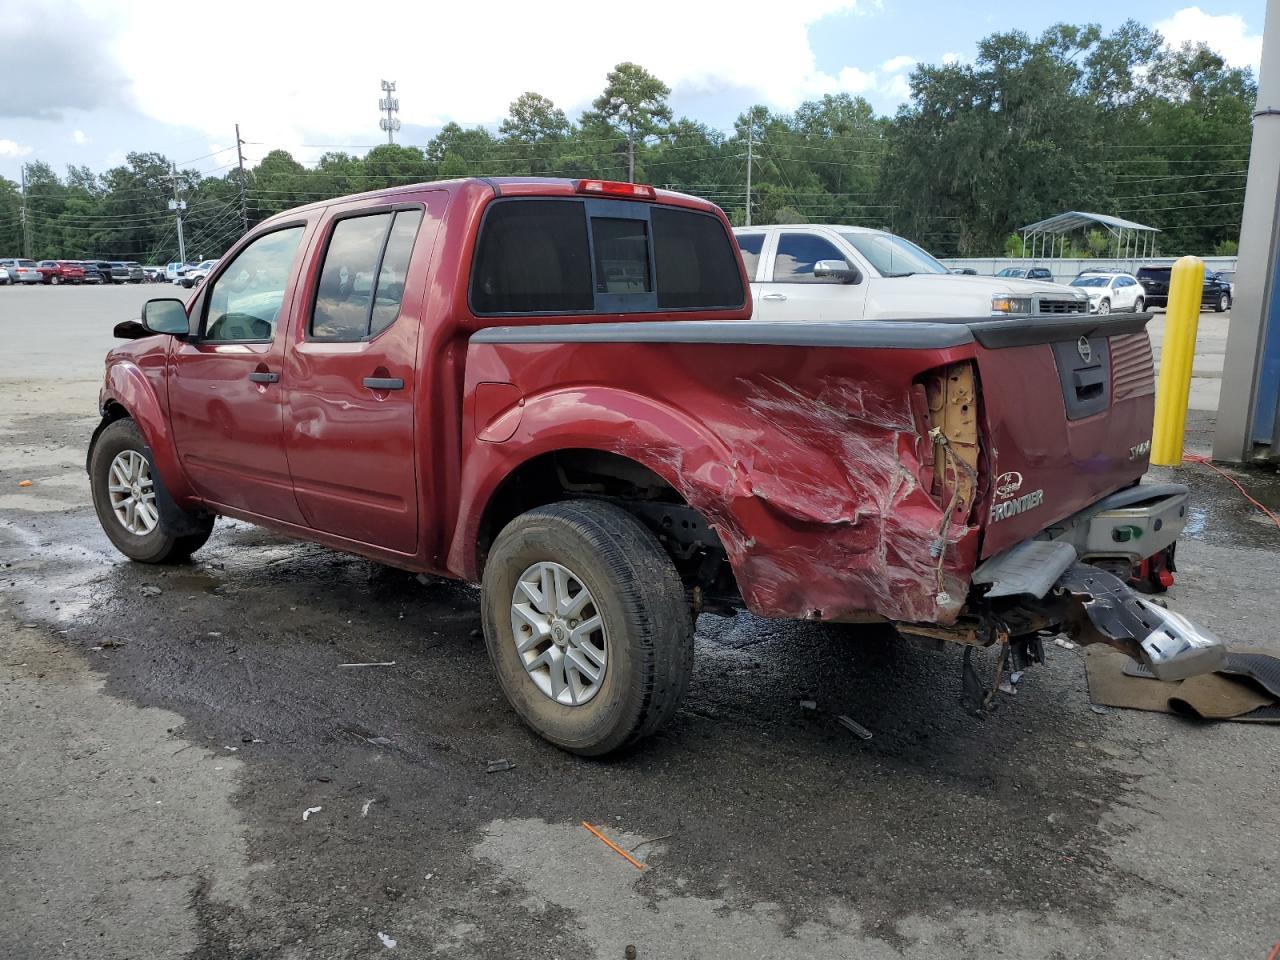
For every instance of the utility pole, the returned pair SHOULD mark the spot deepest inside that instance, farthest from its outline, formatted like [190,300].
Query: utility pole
[26,236]
[178,205]
[244,209]
[751,121]
[390,106]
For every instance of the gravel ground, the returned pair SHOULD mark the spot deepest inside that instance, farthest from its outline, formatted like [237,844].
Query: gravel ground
[168,729]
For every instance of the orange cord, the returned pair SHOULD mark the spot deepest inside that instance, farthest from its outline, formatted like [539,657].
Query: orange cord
[617,849]
[1275,952]
[1205,461]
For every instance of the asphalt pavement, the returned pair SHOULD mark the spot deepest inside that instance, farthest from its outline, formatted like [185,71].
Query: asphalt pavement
[190,770]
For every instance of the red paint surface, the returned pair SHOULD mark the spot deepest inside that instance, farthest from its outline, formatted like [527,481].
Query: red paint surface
[805,460]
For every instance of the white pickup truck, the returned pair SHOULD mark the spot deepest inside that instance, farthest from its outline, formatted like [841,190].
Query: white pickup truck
[829,272]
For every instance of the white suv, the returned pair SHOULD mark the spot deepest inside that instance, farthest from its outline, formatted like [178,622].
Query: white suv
[830,272]
[1109,292]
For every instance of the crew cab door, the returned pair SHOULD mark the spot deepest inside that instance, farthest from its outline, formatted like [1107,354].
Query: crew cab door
[790,291]
[351,373]
[224,382]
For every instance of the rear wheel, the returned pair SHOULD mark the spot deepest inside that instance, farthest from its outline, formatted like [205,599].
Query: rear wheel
[124,496]
[587,625]
[54,280]
[1224,303]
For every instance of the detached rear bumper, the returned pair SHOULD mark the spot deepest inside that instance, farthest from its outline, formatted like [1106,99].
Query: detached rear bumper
[1053,577]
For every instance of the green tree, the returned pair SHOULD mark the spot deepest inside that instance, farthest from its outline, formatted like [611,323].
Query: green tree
[533,130]
[634,102]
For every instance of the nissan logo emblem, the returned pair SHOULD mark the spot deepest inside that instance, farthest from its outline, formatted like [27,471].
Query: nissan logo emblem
[1085,351]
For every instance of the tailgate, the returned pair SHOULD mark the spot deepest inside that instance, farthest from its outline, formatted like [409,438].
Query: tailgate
[1068,404]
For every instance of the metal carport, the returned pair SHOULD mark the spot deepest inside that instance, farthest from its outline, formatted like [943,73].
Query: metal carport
[1131,239]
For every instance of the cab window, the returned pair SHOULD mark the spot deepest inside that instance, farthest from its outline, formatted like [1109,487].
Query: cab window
[244,301]
[797,254]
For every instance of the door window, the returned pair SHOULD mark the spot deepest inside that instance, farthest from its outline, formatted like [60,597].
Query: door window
[244,301]
[751,244]
[362,279]
[797,254]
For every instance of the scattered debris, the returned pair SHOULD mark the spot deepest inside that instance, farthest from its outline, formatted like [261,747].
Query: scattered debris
[387,942]
[306,814]
[613,846]
[379,741]
[630,952]
[232,749]
[423,579]
[24,483]
[497,766]
[665,836]
[854,727]
[110,643]
[150,590]
[1064,643]
[364,810]
[808,704]
[385,663]
[1100,711]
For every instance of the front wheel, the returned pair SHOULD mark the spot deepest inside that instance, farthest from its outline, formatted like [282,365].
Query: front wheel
[587,625]
[1139,305]
[54,281]
[1224,303]
[1104,307]
[125,498]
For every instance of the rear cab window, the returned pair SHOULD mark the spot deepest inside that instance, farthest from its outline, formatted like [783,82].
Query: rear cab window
[363,275]
[557,256]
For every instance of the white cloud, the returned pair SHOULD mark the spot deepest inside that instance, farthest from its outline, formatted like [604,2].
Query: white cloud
[898,64]
[949,58]
[324,81]
[78,138]
[13,150]
[855,81]
[1227,34]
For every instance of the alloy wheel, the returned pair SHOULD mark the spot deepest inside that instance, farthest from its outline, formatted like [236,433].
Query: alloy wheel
[559,633]
[133,493]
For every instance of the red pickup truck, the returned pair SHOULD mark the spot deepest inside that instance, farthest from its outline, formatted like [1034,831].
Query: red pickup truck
[555,388]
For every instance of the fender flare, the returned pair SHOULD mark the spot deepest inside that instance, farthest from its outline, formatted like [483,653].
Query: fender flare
[679,449]
[127,388]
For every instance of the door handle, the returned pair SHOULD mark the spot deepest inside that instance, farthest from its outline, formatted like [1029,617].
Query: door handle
[384,383]
[261,376]
[774,296]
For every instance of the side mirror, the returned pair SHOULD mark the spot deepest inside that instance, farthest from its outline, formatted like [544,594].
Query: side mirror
[165,315]
[838,270]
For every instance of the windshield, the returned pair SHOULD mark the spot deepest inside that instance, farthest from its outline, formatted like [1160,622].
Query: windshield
[1011,272]
[892,256]
[1089,282]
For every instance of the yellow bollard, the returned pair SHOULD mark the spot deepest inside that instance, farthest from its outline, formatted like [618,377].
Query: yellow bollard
[1182,317]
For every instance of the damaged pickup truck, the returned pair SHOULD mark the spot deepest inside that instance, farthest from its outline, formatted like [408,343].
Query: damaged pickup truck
[555,388]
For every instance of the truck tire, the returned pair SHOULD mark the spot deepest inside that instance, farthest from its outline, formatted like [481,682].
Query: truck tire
[579,588]
[118,472]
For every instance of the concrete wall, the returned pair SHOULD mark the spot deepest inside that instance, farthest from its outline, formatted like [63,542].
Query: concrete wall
[1065,269]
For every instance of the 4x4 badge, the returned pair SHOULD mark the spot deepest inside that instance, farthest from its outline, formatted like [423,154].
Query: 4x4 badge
[1083,348]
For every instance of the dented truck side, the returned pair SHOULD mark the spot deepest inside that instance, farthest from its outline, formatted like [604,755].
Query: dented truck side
[588,422]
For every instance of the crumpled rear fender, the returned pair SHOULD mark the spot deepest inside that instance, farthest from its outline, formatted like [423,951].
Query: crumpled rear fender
[128,386]
[812,490]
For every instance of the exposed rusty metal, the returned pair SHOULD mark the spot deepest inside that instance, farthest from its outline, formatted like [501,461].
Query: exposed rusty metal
[953,423]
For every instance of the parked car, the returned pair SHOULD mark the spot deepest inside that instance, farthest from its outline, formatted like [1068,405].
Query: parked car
[1110,292]
[1026,273]
[21,270]
[1229,278]
[607,481]
[93,272]
[4,276]
[132,271]
[828,272]
[111,272]
[964,271]
[194,276]
[1215,295]
[54,272]
[154,273]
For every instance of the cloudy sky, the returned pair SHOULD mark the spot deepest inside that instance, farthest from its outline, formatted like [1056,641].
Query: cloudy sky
[85,83]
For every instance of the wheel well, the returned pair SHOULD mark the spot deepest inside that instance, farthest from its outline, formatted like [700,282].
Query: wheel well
[576,474]
[111,412]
